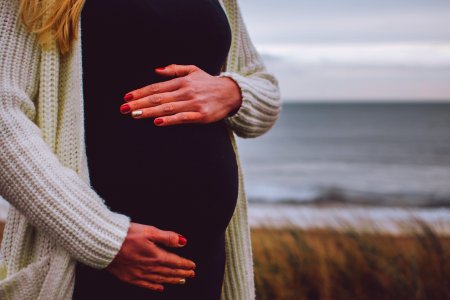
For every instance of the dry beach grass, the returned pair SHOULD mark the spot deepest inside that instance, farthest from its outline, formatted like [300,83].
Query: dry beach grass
[330,264]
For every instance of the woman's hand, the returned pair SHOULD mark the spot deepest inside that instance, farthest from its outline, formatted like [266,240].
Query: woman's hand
[141,262]
[193,96]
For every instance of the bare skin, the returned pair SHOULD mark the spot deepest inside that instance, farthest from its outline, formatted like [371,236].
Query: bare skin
[142,262]
[191,96]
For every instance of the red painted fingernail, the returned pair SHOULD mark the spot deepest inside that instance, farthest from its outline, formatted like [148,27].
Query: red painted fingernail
[128,97]
[182,240]
[160,289]
[160,68]
[158,121]
[125,108]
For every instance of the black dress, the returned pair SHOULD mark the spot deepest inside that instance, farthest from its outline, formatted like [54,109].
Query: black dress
[183,177]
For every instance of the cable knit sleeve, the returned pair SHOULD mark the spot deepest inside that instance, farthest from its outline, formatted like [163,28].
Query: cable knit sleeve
[260,92]
[53,198]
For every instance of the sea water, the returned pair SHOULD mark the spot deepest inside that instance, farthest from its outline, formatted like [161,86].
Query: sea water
[375,153]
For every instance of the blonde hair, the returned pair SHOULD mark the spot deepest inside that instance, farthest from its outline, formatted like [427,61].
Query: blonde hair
[52,21]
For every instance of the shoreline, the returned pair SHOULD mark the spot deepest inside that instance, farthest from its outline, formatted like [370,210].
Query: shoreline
[393,220]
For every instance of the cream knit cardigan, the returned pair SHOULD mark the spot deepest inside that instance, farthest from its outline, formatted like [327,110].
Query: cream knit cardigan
[55,217]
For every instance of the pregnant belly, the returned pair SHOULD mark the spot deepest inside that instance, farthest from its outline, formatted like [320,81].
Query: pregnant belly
[182,178]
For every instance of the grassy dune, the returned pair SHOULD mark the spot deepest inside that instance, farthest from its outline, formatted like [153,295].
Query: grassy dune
[330,264]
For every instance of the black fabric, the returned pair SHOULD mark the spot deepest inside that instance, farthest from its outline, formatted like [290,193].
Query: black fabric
[182,178]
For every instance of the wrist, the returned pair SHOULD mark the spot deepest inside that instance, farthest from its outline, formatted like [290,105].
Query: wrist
[236,98]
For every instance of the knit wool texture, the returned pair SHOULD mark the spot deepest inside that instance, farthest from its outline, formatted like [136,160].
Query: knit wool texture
[55,218]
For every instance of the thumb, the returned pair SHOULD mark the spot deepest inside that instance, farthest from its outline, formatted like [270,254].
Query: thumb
[166,237]
[176,70]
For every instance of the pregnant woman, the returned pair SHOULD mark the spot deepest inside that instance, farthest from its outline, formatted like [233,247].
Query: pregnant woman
[117,151]
[183,178]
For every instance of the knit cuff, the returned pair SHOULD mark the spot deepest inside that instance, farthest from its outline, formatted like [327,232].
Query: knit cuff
[117,235]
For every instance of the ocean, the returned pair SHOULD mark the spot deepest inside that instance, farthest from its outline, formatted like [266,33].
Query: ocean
[384,154]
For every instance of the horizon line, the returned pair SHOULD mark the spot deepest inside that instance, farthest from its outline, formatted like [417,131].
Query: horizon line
[364,101]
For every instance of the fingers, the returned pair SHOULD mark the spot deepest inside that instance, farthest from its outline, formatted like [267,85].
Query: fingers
[155,88]
[170,114]
[172,260]
[180,118]
[169,239]
[165,237]
[177,70]
[160,279]
[157,99]
[148,285]
[171,272]
[156,256]
[164,86]
[166,109]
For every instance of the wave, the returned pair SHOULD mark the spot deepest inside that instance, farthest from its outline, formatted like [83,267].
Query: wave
[337,195]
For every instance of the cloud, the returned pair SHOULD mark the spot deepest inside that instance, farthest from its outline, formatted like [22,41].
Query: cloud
[411,26]
[393,54]
[364,83]
[336,50]
[285,21]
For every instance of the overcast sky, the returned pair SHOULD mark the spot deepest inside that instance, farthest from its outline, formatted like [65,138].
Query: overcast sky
[348,50]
